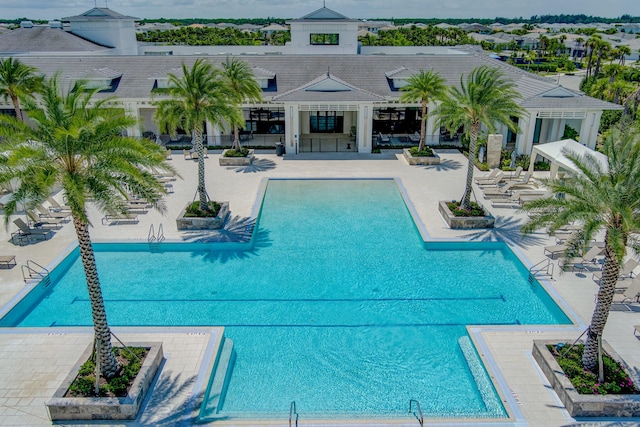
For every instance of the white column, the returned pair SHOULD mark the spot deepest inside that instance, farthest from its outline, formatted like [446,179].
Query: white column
[432,131]
[292,128]
[589,129]
[365,126]
[524,141]
[132,110]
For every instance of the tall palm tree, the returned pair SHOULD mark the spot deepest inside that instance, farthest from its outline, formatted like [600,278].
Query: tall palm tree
[486,98]
[17,80]
[199,95]
[243,86]
[600,199]
[623,52]
[76,143]
[425,86]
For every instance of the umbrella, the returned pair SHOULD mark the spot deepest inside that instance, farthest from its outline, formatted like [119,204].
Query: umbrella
[481,154]
[512,165]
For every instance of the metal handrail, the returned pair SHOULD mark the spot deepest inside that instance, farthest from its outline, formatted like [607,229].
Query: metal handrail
[292,412]
[151,237]
[160,236]
[537,268]
[419,415]
[32,272]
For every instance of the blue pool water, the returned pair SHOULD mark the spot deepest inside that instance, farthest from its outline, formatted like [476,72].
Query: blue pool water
[336,304]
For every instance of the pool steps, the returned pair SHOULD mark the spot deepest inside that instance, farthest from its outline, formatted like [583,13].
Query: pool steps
[217,387]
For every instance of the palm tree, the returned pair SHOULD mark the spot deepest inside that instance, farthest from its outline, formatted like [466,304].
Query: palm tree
[486,98]
[17,80]
[623,52]
[74,142]
[242,84]
[426,86]
[600,199]
[199,95]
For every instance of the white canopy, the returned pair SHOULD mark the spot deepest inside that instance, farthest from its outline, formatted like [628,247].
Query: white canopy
[555,152]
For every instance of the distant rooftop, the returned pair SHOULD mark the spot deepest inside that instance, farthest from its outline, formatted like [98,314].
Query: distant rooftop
[99,14]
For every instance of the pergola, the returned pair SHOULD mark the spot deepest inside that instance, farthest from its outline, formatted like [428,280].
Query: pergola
[556,152]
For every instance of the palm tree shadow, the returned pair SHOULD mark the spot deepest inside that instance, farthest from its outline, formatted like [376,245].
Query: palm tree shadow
[169,402]
[258,165]
[507,229]
[236,230]
[445,165]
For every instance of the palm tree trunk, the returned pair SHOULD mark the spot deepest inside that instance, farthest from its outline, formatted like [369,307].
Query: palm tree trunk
[610,272]
[236,138]
[109,365]
[466,199]
[423,125]
[202,192]
[16,107]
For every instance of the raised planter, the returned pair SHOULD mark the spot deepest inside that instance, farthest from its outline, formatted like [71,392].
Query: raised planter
[423,160]
[583,405]
[209,223]
[455,222]
[106,408]
[236,161]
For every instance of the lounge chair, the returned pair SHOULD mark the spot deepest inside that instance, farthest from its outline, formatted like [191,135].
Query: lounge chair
[636,330]
[117,218]
[524,181]
[626,270]
[383,139]
[7,261]
[194,155]
[46,213]
[43,221]
[205,153]
[57,207]
[579,262]
[631,294]
[515,175]
[25,231]
[415,137]
[136,207]
[187,154]
[555,250]
[493,181]
[168,155]
[491,175]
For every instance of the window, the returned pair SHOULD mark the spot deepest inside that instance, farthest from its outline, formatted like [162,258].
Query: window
[325,39]
[326,121]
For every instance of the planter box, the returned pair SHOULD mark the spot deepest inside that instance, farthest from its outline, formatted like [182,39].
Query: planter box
[212,223]
[236,161]
[464,221]
[584,405]
[106,408]
[413,161]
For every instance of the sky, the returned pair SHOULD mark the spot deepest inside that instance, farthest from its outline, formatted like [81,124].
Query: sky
[56,9]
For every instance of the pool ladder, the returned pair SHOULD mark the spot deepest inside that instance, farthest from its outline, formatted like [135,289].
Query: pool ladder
[544,267]
[153,238]
[293,415]
[417,411]
[33,270]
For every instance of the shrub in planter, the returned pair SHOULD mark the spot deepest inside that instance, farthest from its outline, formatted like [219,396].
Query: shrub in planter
[243,152]
[193,210]
[426,152]
[456,210]
[616,379]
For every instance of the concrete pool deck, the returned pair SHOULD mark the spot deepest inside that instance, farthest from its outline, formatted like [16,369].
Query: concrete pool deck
[33,362]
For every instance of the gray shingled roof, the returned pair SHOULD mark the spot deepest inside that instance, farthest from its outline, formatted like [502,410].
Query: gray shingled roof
[45,39]
[364,73]
[98,13]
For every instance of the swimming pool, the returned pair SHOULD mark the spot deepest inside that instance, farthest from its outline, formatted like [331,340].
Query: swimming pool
[336,304]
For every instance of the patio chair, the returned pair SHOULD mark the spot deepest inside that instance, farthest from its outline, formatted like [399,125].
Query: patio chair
[40,221]
[631,294]
[626,271]
[383,139]
[7,261]
[555,250]
[46,213]
[490,175]
[57,207]
[515,175]
[187,154]
[25,230]
[415,137]
[122,217]
[168,154]
[493,181]
[580,262]
[194,155]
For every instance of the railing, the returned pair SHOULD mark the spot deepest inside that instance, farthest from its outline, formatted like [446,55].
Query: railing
[328,145]
[29,272]
[418,415]
[545,266]
[293,415]
[153,238]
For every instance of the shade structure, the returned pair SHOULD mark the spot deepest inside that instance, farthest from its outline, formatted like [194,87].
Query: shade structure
[556,153]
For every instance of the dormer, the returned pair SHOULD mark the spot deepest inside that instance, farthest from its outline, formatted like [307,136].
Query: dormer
[398,78]
[266,79]
[324,32]
[105,79]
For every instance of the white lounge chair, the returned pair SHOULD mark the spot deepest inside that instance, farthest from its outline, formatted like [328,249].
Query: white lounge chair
[57,207]
[46,213]
[631,294]
[626,270]
[579,262]
[555,250]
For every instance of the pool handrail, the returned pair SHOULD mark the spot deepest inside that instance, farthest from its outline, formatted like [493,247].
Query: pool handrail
[292,412]
[32,273]
[419,415]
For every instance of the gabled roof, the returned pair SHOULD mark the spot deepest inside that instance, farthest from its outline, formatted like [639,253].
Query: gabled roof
[324,14]
[98,14]
[45,39]
[559,92]
[101,73]
[260,72]
[327,87]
